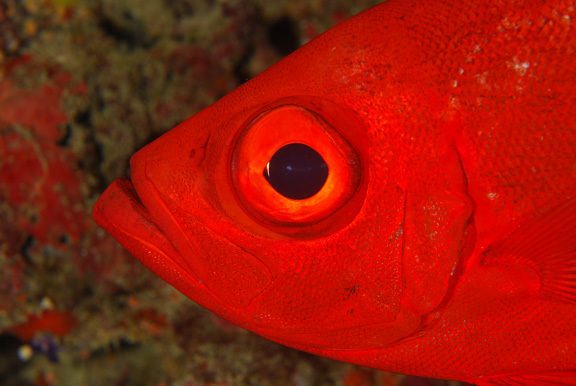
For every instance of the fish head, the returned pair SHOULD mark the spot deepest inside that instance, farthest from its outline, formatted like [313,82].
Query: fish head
[330,267]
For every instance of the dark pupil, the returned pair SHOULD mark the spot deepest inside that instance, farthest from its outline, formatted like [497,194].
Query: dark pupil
[296,171]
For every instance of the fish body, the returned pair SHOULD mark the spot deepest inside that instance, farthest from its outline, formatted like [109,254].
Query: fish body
[443,240]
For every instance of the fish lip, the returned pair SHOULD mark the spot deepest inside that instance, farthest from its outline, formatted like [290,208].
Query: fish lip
[118,207]
[121,191]
[121,212]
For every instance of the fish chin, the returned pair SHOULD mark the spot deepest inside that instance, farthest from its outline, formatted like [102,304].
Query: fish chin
[122,213]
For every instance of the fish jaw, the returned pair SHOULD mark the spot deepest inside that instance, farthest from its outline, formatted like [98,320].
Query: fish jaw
[136,215]
[121,212]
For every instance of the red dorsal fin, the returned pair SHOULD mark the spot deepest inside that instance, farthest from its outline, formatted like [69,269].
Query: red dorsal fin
[559,378]
[547,243]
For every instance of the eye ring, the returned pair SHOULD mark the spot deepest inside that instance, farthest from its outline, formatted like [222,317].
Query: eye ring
[272,128]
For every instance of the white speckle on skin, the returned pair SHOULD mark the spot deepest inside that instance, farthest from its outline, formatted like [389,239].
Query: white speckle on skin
[524,67]
[454,102]
[506,23]
[492,196]
[470,57]
[482,78]
[520,67]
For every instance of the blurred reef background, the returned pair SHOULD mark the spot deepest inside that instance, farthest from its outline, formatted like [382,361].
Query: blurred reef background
[83,85]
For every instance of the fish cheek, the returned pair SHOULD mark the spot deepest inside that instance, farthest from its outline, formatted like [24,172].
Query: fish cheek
[332,298]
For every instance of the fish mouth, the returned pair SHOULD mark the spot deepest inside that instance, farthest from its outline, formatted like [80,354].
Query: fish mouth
[122,213]
[187,254]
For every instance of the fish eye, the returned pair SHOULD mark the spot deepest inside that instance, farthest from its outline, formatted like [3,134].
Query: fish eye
[300,171]
[296,171]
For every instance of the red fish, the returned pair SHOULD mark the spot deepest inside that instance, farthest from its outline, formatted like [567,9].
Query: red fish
[399,193]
